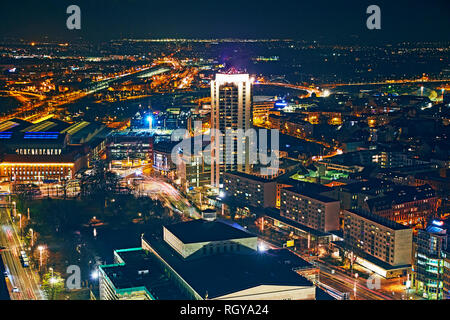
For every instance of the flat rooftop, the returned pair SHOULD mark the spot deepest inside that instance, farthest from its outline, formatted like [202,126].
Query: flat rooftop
[203,231]
[311,190]
[379,220]
[50,125]
[14,125]
[225,273]
[129,274]
[370,186]
[249,176]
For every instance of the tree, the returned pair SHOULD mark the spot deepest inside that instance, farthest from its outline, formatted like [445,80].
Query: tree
[52,285]
[99,184]
[64,186]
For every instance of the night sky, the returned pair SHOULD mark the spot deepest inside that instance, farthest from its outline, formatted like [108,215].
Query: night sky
[330,21]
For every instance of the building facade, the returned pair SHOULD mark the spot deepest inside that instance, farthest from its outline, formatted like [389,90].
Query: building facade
[217,261]
[249,190]
[311,209]
[430,258]
[386,246]
[39,156]
[231,110]
[130,147]
[163,163]
[48,151]
[406,204]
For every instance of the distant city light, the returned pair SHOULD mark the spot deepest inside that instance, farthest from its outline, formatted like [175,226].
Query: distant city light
[80,127]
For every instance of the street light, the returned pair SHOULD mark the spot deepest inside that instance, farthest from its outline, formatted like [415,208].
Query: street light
[40,248]
[94,275]
[20,224]
[32,237]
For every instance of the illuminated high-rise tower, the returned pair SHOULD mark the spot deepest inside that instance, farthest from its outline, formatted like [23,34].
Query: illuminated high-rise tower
[231,109]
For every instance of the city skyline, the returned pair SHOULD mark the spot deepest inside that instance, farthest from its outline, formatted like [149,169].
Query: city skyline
[228,151]
[320,21]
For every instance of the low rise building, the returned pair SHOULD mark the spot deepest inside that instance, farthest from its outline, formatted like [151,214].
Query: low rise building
[48,150]
[306,204]
[353,195]
[380,245]
[405,204]
[39,156]
[446,255]
[163,163]
[249,190]
[199,238]
[430,271]
[136,274]
[181,265]
[193,168]
[298,128]
[130,147]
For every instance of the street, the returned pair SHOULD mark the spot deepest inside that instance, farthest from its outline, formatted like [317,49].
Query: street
[357,287]
[331,278]
[154,188]
[18,277]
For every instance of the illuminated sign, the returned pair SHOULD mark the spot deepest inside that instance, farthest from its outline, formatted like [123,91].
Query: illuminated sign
[280,104]
[290,243]
[438,223]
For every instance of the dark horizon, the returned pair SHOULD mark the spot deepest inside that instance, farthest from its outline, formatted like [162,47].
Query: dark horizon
[325,21]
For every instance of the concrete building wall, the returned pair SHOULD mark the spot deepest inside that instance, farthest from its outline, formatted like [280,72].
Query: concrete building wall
[332,216]
[173,241]
[270,194]
[196,249]
[403,247]
[272,292]
[200,249]
[316,214]
[253,192]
